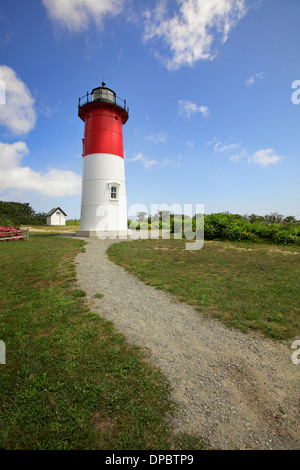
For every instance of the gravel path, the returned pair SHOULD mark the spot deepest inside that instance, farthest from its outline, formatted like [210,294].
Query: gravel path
[239,391]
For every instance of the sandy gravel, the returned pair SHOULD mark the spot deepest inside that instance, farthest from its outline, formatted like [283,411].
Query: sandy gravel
[239,391]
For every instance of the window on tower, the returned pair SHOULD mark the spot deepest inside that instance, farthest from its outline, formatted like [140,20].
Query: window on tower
[113,189]
[113,192]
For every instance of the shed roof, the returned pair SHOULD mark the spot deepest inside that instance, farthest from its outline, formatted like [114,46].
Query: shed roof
[54,210]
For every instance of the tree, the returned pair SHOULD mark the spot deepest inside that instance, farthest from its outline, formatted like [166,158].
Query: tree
[142,216]
[20,213]
[273,218]
[290,219]
[252,218]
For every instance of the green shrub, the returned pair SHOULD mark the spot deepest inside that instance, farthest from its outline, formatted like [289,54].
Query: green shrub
[133,224]
[249,236]
[176,224]
[260,229]
[233,227]
[225,226]
[73,222]
[4,222]
[283,237]
[155,225]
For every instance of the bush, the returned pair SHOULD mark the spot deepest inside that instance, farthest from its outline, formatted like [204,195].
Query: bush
[12,232]
[133,225]
[234,227]
[210,231]
[155,225]
[176,224]
[249,236]
[20,213]
[143,225]
[73,222]
[260,229]
[283,237]
[5,222]
[225,226]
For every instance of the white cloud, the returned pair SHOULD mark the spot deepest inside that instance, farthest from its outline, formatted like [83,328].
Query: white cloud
[141,158]
[157,138]
[17,114]
[210,142]
[147,163]
[47,111]
[254,78]
[14,177]
[218,147]
[11,155]
[190,34]
[238,156]
[225,148]
[76,15]
[170,162]
[265,157]
[188,108]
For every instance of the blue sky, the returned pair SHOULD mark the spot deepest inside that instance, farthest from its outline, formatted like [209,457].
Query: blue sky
[213,117]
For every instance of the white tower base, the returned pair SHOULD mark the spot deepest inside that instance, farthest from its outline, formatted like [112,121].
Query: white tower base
[103,199]
[104,234]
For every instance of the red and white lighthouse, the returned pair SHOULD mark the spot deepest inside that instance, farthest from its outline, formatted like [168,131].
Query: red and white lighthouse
[103,196]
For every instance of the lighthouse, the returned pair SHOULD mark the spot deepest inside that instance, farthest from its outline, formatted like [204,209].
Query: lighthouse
[103,194]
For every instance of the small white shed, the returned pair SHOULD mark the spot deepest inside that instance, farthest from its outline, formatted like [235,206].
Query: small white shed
[56,216]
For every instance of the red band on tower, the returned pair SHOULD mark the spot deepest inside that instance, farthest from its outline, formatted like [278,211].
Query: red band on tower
[103,127]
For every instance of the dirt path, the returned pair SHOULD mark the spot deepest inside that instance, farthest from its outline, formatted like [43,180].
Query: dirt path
[240,391]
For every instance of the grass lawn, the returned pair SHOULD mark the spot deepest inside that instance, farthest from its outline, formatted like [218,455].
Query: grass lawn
[51,228]
[71,381]
[246,285]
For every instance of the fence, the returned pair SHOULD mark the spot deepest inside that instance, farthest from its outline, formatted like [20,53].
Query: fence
[104,97]
[19,234]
